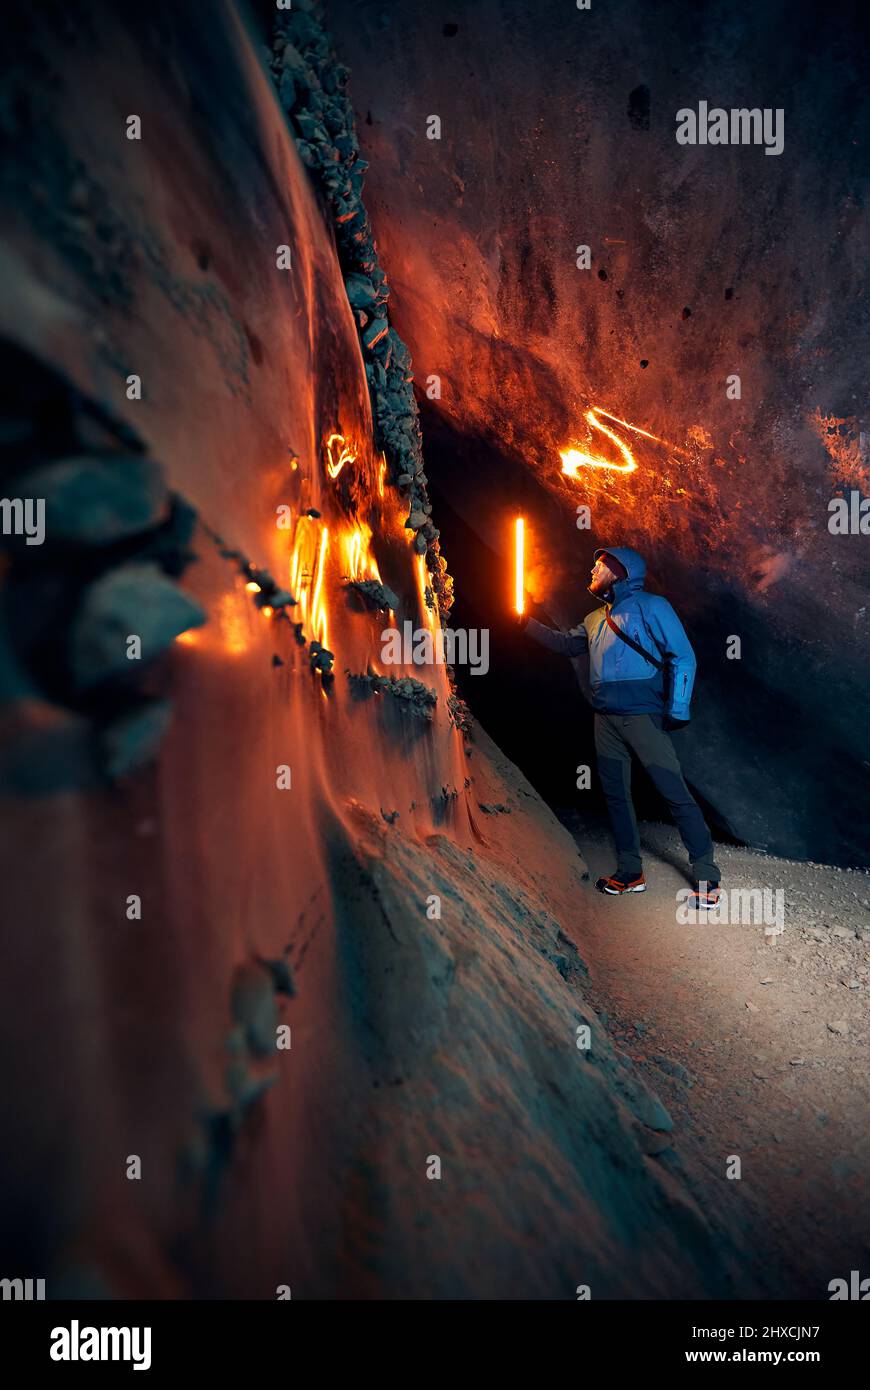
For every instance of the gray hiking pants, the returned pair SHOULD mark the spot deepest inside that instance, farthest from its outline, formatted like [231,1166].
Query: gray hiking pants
[617,736]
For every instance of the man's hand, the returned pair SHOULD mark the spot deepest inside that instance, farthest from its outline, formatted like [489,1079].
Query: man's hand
[671,724]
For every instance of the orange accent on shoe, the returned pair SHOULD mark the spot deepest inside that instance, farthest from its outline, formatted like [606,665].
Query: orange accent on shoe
[619,886]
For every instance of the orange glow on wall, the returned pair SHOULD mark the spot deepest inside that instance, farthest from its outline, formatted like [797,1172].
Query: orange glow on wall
[232,615]
[337,455]
[359,563]
[574,459]
[422,585]
[318,608]
[312,546]
[307,559]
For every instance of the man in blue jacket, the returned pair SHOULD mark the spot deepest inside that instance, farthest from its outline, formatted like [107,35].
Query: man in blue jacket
[641,669]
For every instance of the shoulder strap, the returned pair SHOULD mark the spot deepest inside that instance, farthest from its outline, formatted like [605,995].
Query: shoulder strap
[659,665]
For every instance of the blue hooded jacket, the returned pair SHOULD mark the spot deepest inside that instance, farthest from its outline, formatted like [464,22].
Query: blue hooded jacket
[623,681]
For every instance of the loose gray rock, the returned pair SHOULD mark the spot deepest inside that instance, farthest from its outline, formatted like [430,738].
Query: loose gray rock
[320,657]
[245,1088]
[94,501]
[274,598]
[673,1069]
[375,333]
[132,741]
[133,600]
[360,291]
[254,1008]
[282,975]
[653,1114]
[375,593]
[294,62]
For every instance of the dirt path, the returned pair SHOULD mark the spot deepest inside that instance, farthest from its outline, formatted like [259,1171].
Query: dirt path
[758,1050]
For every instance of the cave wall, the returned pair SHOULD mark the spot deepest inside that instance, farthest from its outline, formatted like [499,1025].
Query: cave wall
[158,257]
[558,129]
[169,901]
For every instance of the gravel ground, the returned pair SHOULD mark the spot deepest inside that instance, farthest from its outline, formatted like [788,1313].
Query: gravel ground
[758,1046]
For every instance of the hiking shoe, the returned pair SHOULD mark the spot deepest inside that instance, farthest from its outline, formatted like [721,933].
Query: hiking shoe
[618,884]
[705,895]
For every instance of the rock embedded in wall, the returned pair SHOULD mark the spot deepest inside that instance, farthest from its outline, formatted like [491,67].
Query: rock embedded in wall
[312,88]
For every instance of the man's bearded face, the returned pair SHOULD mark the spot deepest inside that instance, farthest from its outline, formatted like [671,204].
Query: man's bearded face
[602,577]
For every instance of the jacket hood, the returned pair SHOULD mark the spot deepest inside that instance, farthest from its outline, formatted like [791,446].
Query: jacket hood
[635,566]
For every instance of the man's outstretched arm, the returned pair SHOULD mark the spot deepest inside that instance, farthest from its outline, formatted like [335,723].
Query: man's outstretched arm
[565,643]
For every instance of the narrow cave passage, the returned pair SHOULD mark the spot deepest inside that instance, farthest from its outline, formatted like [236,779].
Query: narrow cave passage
[533,703]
